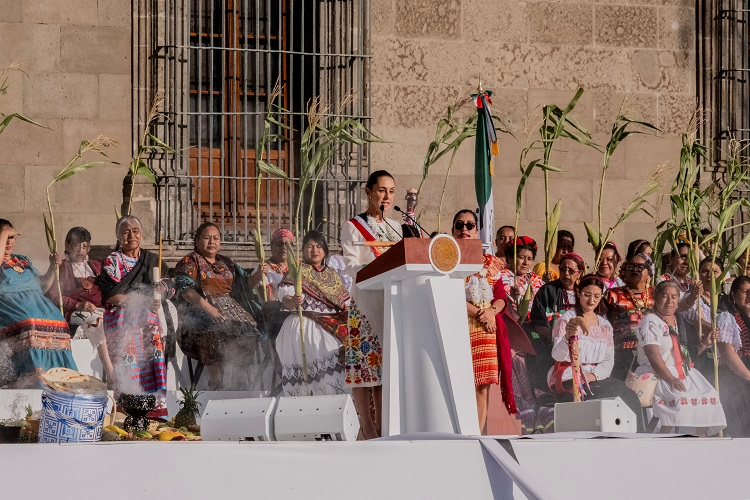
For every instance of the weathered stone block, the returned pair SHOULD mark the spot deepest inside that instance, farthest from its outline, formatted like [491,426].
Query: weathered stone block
[381,106]
[662,71]
[11,101]
[114,97]
[436,19]
[510,105]
[504,22]
[398,61]
[576,195]
[620,194]
[644,153]
[62,95]
[12,11]
[94,190]
[114,13]
[26,144]
[404,152]
[421,105]
[557,24]
[382,14]
[583,113]
[626,26]
[35,47]
[675,112]
[676,28]
[75,131]
[95,50]
[77,12]
[636,106]
[11,190]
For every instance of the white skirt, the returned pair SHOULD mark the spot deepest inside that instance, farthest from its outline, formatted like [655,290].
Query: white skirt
[698,406]
[324,371]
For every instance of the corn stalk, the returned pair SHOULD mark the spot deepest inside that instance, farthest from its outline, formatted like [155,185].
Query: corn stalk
[6,119]
[149,144]
[73,167]
[322,140]
[555,124]
[267,137]
[619,133]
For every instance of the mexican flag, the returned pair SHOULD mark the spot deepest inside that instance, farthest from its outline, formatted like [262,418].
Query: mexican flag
[485,147]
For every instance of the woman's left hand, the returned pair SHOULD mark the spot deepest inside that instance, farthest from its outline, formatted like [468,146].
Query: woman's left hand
[708,339]
[55,259]
[590,377]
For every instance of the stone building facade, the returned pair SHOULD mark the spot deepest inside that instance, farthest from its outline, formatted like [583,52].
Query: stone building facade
[426,55]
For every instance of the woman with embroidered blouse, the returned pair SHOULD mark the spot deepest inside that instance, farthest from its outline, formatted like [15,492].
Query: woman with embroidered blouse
[734,373]
[517,277]
[596,352]
[216,329]
[485,303]
[324,301]
[606,268]
[683,397]
[363,345]
[33,333]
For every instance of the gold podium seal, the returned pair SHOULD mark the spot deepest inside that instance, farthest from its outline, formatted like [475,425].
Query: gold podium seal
[445,254]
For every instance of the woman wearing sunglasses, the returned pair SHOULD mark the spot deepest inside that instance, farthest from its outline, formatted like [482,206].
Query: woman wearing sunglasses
[627,305]
[518,276]
[485,303]
[596,352]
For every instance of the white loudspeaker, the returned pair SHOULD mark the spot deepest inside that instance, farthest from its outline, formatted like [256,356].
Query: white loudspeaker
[316,418]
[602,415]
[238,420]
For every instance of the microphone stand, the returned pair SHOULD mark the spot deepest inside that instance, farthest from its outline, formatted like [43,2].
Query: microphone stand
[382,214]
[413,219]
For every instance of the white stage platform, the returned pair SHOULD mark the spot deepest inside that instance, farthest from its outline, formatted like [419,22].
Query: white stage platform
[554,466]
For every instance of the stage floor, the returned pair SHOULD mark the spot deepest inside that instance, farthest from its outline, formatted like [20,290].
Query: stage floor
[572,465]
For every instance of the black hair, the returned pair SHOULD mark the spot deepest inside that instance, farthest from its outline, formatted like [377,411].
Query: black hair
[373,178]
[708,260]
[588,280]
[5,223]
[675,251]
[201,228]
[466,211]
[736,284]
[635,247]
[318,238]
[564,233]
[497,234]
[79,233]
[509,251]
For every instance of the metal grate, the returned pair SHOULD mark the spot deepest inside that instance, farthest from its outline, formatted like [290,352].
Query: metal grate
[216,62]
[723,82]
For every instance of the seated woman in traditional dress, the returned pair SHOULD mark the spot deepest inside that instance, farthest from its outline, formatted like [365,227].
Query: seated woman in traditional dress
[607,266]
[485,302]
[82,299]
[131,318]
[596,351]
[734,373]
[627,305]
[277,265]
[517,277]
[316,368]
[215,328]
[683,397]
[33,333]
[550,302]
[701,343]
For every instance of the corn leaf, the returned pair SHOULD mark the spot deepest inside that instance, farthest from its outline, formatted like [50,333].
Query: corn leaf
[79,168]
[8,118]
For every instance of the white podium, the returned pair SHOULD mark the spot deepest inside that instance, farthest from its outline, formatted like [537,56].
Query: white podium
[428,379]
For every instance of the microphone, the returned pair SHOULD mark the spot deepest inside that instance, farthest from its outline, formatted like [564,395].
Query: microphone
[412,218]
[382,214]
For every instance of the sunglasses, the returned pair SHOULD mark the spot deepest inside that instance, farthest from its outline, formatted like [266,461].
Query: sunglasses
[459,225]
[639,268]
[568,270]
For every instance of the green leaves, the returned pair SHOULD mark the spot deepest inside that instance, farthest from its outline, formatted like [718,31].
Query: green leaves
[593,236]
[8,118]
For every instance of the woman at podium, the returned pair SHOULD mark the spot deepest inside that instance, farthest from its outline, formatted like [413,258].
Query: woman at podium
[363,345]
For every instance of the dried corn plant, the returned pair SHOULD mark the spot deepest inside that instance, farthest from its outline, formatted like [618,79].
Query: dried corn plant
[94,147]
[149,144]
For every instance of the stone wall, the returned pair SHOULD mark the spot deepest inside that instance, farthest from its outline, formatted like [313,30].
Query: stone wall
[429,54]
[74,79]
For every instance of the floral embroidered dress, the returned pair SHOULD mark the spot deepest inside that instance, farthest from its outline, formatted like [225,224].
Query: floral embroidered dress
[202,337]
[33,333]
[626,309]
[699,405]
[324,328]
[522,283]
[363,346]
[133,333]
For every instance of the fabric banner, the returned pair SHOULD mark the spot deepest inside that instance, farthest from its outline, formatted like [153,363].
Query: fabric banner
[485,147]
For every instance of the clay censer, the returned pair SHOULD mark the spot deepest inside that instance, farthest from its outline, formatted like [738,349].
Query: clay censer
[137,406]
